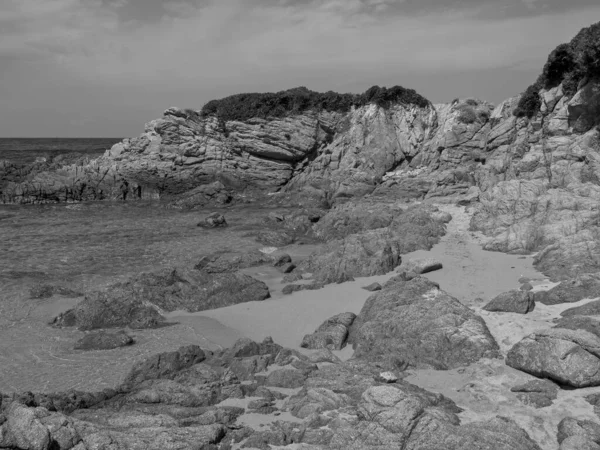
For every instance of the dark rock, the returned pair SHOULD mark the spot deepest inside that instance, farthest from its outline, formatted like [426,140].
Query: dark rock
[164,365]
[589,309]
[102,340]
[372,287]
[570,291]
[331,334]
[231,262]
[537,393]
[526,287]
[276,238]
[291,288]
[135,302]
[323,355]
[414,319]
[214,220]
[286,378]
[570,357]
[48,290]
[287,268]
[291,277]
[512,301]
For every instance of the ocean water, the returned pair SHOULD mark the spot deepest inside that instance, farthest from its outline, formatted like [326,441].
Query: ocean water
[26,150]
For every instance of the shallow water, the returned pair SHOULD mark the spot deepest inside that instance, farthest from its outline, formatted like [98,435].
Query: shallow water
[87,246]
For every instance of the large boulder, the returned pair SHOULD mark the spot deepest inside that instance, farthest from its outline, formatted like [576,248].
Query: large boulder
[331,334]
[513,301]
[136,303]
[570,357]
[421,325]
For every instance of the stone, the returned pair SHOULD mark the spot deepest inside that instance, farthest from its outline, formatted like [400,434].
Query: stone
[136,302]
[537,393]
[512,301]
[102,340]
[233,261]
[291,288]
[526,287]
[165,365]
[276,238]
[422,324]
[24,429]
[570,291]
[287,268]
[286,378]
[48,290]
[569,357]
[420,266]
[331,334]
[387,377]
[214,220]
[372,287]
[589,309]
[570,426]
[323,355]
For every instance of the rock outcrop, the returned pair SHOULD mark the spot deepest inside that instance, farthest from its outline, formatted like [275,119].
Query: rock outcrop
[421,326]
[173,400]
[138,303]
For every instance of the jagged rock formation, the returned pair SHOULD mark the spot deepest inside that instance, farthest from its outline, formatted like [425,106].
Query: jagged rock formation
[140,301]
[173,400]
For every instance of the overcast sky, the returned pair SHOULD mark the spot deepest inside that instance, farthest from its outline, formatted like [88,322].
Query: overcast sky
[105,67]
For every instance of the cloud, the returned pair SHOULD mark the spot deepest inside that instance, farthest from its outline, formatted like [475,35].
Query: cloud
[200,49]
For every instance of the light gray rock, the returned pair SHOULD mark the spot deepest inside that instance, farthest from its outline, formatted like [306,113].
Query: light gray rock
[570,357]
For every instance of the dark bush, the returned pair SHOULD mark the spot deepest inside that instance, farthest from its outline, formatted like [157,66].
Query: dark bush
[297,100]
[467,114]
[530,102]
[568,64]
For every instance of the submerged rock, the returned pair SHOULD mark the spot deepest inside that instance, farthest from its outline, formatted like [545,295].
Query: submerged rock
[137,303]
[214,220]
[102,340]
[232,261]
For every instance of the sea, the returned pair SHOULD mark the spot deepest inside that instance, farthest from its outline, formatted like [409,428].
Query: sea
[26,150]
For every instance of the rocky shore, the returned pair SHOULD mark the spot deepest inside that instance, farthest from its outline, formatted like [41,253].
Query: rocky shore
[399,203]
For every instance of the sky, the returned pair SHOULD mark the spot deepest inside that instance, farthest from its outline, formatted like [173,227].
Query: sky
[103,68]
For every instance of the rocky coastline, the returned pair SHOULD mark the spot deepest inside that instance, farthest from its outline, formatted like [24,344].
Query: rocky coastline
[365,180]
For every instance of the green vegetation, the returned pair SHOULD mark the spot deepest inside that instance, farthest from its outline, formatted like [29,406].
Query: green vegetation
[297,100]
[467,114]
[568,64]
